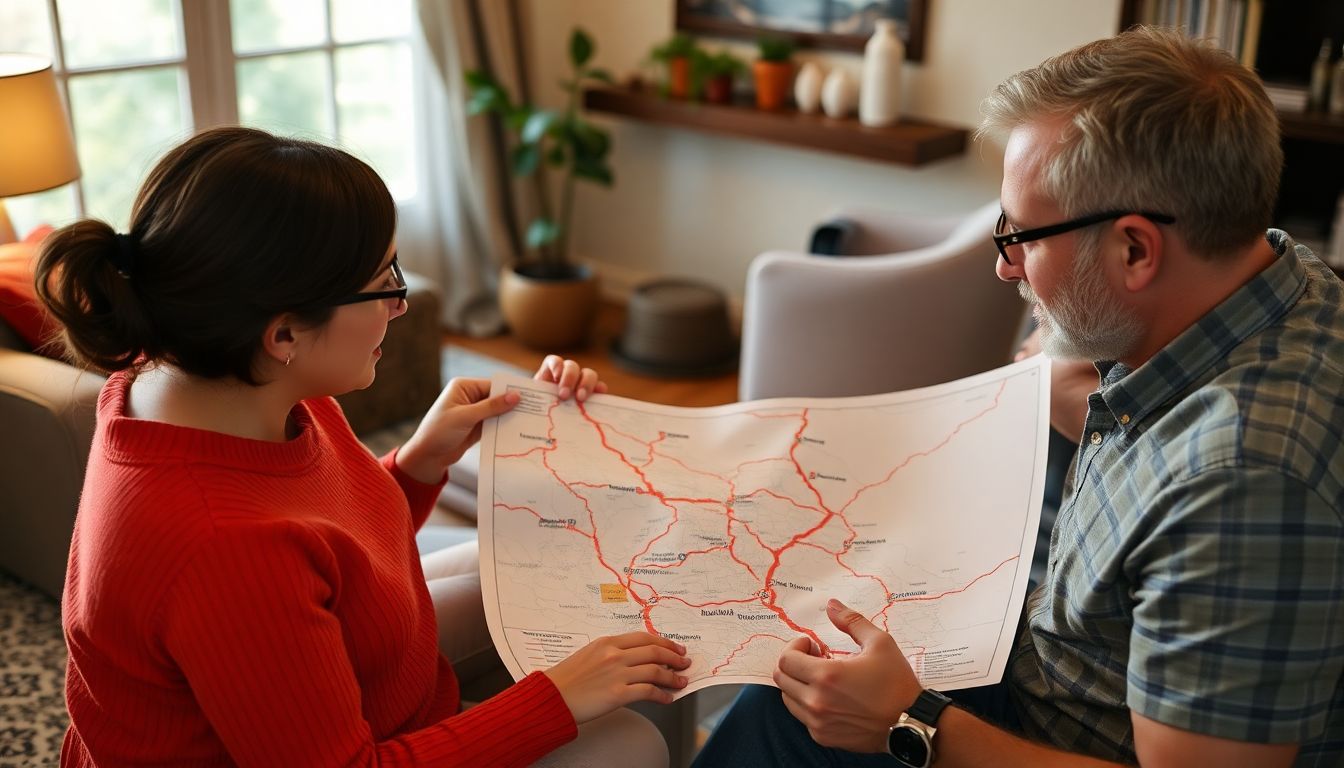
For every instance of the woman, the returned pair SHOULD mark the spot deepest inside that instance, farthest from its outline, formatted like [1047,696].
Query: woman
[243,585]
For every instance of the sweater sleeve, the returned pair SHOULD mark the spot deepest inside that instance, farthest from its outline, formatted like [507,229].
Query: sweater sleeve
[420,496]
[246,623]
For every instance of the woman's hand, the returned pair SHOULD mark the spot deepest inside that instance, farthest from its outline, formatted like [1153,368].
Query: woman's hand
[572,379]
[453,423]
[450,427]
[611,672]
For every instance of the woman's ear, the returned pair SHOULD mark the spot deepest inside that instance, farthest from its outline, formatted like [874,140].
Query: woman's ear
[278,342]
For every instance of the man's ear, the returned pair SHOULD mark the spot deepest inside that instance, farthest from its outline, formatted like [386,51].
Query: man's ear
[1143,247]
[279,342]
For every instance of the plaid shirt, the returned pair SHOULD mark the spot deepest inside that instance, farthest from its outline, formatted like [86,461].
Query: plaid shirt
[1196,571]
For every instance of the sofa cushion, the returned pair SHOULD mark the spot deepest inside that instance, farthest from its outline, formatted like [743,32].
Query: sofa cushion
[19,306]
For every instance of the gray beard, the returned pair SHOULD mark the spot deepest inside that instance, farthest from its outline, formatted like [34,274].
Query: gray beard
[1088,321]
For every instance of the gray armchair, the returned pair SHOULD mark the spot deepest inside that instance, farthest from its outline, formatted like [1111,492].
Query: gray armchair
[46,419]
[915,302]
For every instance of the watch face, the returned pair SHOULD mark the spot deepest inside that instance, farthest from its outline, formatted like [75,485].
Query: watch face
[908,745]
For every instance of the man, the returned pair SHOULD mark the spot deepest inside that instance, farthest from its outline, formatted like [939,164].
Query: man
[1193,608]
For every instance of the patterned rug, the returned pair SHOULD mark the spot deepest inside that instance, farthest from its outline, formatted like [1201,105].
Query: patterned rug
[33,719]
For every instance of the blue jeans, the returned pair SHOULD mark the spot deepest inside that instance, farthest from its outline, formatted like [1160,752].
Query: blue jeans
[759,731]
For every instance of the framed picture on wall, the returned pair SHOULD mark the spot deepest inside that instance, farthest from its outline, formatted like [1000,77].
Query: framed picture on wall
[837,24]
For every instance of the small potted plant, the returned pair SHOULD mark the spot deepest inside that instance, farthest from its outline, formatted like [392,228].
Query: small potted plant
[773,72]
[717,72]
[678,54]
[548,302]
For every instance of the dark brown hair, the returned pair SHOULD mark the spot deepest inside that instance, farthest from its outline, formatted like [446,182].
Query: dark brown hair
[231,228]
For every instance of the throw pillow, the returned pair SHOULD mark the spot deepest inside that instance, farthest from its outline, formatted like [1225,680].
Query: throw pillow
[19,306]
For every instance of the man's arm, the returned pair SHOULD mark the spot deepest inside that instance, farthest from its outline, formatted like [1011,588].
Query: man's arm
[849,703]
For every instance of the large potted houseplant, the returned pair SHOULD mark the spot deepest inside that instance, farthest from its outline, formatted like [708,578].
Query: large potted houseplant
[547,300]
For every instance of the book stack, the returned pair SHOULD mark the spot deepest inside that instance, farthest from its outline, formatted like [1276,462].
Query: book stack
[1232,24]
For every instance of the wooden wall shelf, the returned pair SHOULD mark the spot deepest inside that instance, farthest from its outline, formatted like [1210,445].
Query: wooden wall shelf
[1312,126]
[907,142]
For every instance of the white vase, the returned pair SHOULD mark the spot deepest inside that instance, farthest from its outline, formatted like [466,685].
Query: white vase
[880,92]
[840,93]
[807,87]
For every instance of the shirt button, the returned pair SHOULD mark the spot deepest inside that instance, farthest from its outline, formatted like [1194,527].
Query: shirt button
[1096,438]
[1124,418]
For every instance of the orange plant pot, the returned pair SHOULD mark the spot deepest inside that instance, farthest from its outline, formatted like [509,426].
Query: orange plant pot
[719,89]
[774,79]
[679,77]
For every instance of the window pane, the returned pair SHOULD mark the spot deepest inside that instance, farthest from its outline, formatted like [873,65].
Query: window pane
[24,28]
[373,98]
[354,20]
[56,207]
[264,25]
[98,33]
[288,93]
[123,122]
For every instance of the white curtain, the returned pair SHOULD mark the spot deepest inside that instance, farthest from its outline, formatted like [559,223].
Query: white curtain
[459,232]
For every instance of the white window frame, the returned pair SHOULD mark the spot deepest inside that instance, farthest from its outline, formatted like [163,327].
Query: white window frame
[210,65]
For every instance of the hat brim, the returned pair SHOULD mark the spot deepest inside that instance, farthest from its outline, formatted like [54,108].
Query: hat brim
[665,370]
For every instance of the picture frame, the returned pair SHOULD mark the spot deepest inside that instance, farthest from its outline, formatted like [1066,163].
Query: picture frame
[831,24]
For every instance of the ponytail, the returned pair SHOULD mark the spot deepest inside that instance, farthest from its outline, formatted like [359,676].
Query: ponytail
[84,279]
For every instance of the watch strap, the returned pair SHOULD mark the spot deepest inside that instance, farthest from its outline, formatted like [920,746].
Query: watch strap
[928,707]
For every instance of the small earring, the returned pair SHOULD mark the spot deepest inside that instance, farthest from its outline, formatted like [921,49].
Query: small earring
[287,357]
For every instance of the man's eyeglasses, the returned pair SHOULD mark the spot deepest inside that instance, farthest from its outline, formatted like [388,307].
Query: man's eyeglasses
[398,292]
[1003,238]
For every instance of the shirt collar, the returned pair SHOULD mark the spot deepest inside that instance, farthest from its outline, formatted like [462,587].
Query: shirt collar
[1132,394]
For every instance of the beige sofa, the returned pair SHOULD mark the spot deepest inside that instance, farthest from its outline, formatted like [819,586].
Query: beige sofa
[47,420]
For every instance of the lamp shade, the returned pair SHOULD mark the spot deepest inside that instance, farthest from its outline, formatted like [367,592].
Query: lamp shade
[37,149]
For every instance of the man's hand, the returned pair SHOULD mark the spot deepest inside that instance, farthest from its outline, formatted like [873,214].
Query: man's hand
[848,702]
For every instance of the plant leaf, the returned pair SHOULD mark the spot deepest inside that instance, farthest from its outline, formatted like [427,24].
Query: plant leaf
[580,48]
[556,157]
[601,75]
[593,170]
[536,126]
[484,99]
[542,232]
[526,158]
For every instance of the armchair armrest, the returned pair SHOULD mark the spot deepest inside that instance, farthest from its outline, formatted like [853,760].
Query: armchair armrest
[48,409]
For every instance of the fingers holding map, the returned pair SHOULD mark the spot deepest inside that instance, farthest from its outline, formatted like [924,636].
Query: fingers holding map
[727,529]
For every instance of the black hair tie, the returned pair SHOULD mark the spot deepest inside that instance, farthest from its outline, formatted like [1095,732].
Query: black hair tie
[123,256]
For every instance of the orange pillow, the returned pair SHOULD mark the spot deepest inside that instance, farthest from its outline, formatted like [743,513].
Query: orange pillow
[19,306]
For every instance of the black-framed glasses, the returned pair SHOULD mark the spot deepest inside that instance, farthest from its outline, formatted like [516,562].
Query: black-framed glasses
[1003,239]
[398,293]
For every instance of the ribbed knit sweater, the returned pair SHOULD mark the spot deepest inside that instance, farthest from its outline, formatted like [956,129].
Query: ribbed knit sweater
[242,602]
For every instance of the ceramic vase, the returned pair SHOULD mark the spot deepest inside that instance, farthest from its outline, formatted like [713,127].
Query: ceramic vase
[840,93]
[880,91]
[807,87]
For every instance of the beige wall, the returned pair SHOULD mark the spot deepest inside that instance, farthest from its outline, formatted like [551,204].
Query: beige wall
[688,203]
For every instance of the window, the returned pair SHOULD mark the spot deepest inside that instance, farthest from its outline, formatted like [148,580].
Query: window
[141,75]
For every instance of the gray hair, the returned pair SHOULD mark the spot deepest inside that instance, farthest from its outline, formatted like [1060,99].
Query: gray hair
[1155,121]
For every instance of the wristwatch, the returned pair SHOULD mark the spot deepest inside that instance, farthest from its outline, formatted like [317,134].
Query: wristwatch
[910,740]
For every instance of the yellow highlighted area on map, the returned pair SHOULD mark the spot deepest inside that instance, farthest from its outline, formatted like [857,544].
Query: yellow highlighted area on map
[613,593]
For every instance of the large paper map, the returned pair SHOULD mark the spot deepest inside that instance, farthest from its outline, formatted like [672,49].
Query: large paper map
[728,528]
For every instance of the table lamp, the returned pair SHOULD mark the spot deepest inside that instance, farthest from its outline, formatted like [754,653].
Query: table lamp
[37,148]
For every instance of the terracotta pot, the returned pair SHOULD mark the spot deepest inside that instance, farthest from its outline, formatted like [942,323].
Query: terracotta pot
[548,313]
[719,89]
[679,77]
[774,79]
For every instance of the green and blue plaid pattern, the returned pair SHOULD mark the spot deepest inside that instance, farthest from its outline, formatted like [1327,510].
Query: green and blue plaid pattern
[1196,570]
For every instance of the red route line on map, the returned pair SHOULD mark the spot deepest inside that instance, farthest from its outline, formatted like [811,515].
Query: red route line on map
[767,596]
[741,646]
